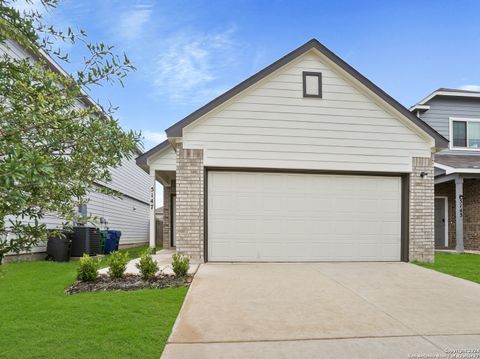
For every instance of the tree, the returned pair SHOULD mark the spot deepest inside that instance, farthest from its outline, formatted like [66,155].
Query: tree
[55,142]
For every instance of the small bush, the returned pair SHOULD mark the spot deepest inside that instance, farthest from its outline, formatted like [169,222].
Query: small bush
[87,271]
[147,266]
[180,264]
[117,261]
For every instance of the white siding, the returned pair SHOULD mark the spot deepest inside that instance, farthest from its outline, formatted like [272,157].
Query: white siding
[129,215]
[131,180]
[165,160]
[123,214]
[12,49]
[128,179]
[273,126]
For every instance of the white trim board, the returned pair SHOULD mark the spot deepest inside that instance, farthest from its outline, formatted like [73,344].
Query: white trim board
[445,93]
[449,170]
[450,132]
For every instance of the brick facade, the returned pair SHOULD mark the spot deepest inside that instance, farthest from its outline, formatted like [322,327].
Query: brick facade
[471,210]
[190,203]
[190,207]
[168,191]
[421,211]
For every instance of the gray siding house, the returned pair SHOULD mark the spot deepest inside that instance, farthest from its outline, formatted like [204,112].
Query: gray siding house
[129,213]
[307,160]
[456,115]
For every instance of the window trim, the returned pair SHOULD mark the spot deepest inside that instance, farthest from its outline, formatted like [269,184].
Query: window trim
[450,132]
[304,79]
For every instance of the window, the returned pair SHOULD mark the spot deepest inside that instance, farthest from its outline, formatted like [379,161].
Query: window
[312,84]
[459,134]
[82,209]
[82,214]
[465,133]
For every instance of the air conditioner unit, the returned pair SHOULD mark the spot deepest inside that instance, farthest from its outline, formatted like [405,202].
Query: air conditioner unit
[85,240]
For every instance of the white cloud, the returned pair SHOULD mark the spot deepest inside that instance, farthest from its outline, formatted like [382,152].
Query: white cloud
[133,20]
[152,138]
[470,87]
[189,65]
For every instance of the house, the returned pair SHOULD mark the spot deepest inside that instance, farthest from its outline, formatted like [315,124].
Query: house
[456,115]
[127,213]
[307,160]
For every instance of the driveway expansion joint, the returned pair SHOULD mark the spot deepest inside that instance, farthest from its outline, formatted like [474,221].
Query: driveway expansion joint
[321,339]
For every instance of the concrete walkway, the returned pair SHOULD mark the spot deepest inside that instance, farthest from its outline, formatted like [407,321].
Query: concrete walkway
[163,259]
[327,310]
[453,251]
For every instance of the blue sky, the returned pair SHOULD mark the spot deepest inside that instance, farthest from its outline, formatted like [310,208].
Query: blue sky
[188,52]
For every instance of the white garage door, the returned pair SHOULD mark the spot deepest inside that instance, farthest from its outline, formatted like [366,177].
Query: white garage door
[303,217]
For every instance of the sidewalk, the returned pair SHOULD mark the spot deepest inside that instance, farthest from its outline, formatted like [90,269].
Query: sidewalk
[164,260]
[453,251]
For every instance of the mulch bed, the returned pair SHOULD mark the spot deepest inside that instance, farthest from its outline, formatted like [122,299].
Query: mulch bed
[129,282]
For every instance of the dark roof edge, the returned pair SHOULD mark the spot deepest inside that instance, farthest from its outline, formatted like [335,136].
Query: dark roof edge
[142,159]
[446,92]
[440,140]
[176,129]
[54,66]
[447,89]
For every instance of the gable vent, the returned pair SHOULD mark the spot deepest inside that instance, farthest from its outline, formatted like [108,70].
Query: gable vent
[312,84]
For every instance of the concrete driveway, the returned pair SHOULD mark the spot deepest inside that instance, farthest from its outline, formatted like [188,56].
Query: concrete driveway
[327,310]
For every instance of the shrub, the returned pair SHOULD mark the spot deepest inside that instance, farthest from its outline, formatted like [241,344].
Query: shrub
[117,261]
[147,266]
[180,264]
[87,271]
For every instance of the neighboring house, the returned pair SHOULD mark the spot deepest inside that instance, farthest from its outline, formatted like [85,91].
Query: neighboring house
[129,213]
[307,160]
[456,115]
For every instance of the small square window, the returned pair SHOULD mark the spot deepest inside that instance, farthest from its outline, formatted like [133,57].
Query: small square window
[312,84]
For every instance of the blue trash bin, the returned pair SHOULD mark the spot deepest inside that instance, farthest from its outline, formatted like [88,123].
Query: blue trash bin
[112,241]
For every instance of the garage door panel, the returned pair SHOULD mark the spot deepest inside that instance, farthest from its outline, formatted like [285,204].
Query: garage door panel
[342,228]
[321,250]
[318,227]
[303,217]
[390,229]
[368,228]
[220,202]
[271,203]
[389,252]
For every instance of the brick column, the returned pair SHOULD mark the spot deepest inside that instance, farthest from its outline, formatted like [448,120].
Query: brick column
[190,206]
[167,201]
[421,211]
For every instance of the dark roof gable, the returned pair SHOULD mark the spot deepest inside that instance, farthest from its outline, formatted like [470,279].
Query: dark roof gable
[176,129]
[142,159]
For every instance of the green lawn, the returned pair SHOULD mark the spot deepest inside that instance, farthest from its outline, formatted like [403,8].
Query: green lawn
[39,321]
[466,266]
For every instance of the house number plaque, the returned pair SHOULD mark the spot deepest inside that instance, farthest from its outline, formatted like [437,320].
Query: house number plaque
[152,193]
[460,201]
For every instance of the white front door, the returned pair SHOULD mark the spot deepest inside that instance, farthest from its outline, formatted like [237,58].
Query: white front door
[265,217]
